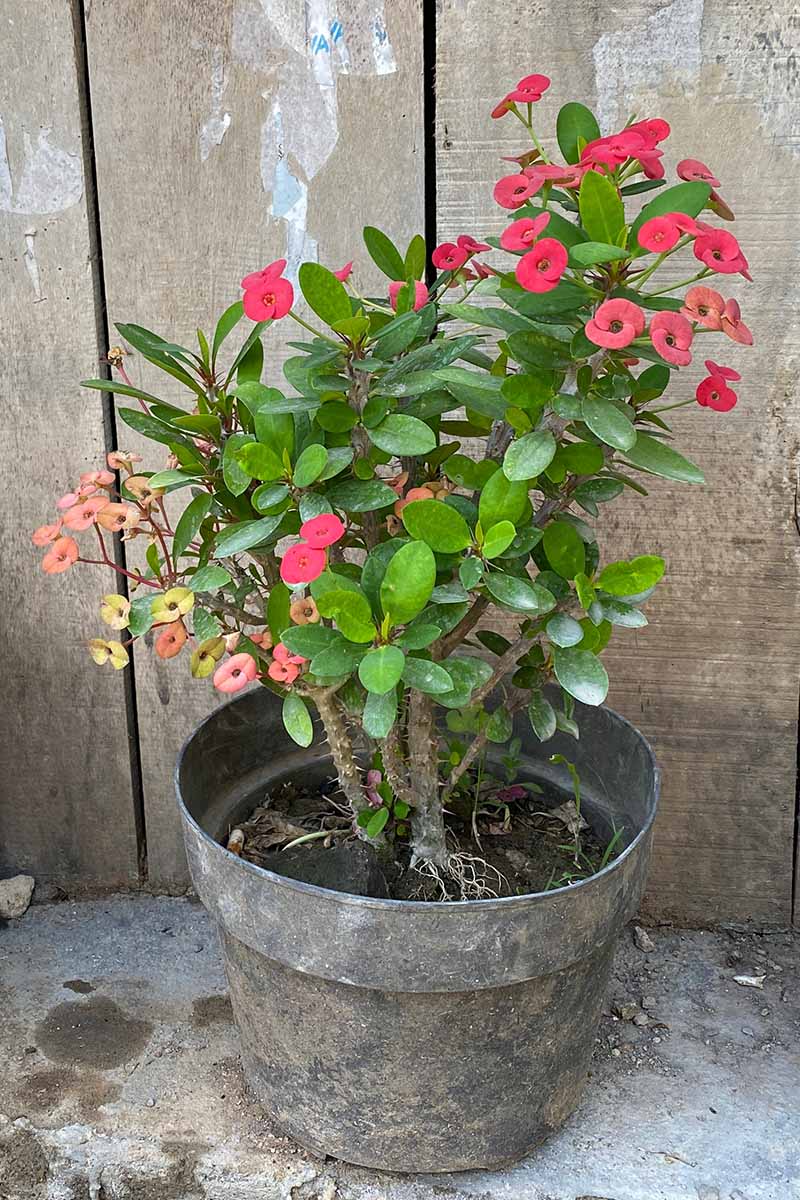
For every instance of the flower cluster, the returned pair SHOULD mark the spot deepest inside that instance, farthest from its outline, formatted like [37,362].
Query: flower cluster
[306,560]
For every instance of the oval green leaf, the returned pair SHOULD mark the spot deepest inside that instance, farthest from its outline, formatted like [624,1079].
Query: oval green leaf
[401,435]
[529,455]
[581,674]
[608,423]
[437,524]
[380,670]
[408,581]
[564,548]
[324,293]
[297,720]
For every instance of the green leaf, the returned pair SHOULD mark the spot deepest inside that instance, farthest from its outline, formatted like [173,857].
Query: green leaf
[297,720]
[470,571]
[587,254]
[438,524]
[377,821]
[580,458]
[538,349]
[601,210]
[418,637]
[563,630]
[499,727]
[361,495]
[140,617]
[235,477]
[351,612]
[427,676]
[575,124]
[649,454]
[120,389]
[414,262]
[251,363]
[324,293]
[528,456]
[204,624]
[467,674]
[209,578]
[586,593]
[340,658]
[336,417]
[245,534]
[607,422]
[542,717]
[689,198]
[518,594]
[401,435]
[380,670]
[269,496]
[502,499]
[271,401]
[309,465]
[309,640]
[581,674]
[632,577]
[379,714]
[278,619]
[147,426]
[225,326]
[620,613]
[396,335]
[409,580]
[564,548]
[384,253]
[498,538]
[258,461]
[190,521]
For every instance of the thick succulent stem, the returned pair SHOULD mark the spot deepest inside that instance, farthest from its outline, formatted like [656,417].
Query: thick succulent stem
[341,746]
[427,819]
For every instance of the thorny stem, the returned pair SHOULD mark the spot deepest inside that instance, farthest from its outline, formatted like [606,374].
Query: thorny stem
[427,821]
[341,750]
[394,767]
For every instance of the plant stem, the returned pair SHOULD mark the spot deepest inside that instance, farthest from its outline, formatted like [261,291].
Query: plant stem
[316,332]
[341,750]
[394,767]
[427,820]
[478,745]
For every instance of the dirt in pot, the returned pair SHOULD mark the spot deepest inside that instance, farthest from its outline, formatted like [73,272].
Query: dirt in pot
[509,840]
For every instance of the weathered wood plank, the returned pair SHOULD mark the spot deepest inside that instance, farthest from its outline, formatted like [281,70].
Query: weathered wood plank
[714,682]
[66,811]
[223,142]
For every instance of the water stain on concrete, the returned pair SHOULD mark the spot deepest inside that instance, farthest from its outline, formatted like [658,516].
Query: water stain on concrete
[78,985]
[91,1033]
[43,1091]
[207,1010]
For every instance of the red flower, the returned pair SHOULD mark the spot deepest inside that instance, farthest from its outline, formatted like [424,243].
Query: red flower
[470,245]
[734,326]
[522,233]
[662,233]
[504,106]
[653,130]
[302,563]
[481,270]
[530,89]
[449,256]
[420,293]
[257,278]
[513,190]
[671,334]
[553,173]
[236,673]
[344,272]
[267,295]
[720,251]
[651,164]
[615,324]
[322,531]
[705,306]
[713,392]
[692,170]
[723,372]
[541,268]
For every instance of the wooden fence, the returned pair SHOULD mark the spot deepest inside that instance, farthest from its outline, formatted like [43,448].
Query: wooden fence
[151,153]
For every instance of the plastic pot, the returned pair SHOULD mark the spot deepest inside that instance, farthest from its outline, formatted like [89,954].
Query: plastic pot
[410,1036]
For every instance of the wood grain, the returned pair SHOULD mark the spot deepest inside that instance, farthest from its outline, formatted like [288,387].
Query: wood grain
[714,680]
[66,809]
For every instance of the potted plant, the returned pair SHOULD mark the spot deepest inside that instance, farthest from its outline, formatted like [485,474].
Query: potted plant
[417,955]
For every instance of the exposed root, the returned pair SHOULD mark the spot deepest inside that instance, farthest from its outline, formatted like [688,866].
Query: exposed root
[463,877]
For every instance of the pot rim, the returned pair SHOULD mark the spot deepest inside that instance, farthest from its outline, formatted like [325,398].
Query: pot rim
[458,906]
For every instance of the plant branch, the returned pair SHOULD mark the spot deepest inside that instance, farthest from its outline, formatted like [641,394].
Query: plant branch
[478,745]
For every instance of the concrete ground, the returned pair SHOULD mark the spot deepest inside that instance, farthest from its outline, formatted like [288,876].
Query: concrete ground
[121,1078]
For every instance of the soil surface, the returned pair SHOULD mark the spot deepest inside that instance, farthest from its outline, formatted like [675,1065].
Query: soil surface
[521,839]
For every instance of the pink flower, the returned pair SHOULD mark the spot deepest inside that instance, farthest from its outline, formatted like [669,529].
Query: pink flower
[614,150]
[481,270]
[542,267]
[267,295]
[122,460]
[504,106]
[84,514]
[62,555]
[68,500]
[653,130]
[420,293]
[530,89]
[235,673]
[98,478]
[322,531]
[714,392]
[521,234]
[344,272]
[692,170]
[282,655]
[46,534]
[705,306]
[302,563]
[662,233]
[671,334]
[734,326]
[720,251]
[723,372]
[283,672]
[470,245]
[651,164]
[553,173]
[513,190]
[449,256]
[615,324]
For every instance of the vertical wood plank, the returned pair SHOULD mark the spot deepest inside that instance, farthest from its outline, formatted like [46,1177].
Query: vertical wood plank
[66,810]
[714,680]
[229,134]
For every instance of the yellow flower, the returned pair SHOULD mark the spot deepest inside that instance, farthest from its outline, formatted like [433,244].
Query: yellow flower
[113,652]
[206,656]
[115,611]
[173,605]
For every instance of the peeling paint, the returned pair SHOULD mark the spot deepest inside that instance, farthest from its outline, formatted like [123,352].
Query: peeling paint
[216,124]
[639,56]
[289,193]
[31,265]
[51,179]
[381,46]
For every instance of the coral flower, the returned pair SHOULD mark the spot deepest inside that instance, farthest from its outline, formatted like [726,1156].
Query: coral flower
[615,324]
[734,326]
[267,295]
[235,673]
[99,478]
[415,493]
[285,667]
[504,106]
[62,555]
[720,251]
[264,639]
[304,612]
[139,486]
[322,531]
[662,233]
[398,482]
[173,605]
[122,460]
[344,273]
[513,190]
[705,306]
[118,516]
[420,293]
[522,233]
[68,500]
[171,640]
[302,563]
[115,611]
[714,391]
[46,534]
[654,130]
[283,655]
[530,89]
[542,267]
[671,334]
[470,245]
[449,256]
[111,652]
[82,515]
[693,171]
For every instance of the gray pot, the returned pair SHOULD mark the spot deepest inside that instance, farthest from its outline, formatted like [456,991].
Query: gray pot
[410,1036]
